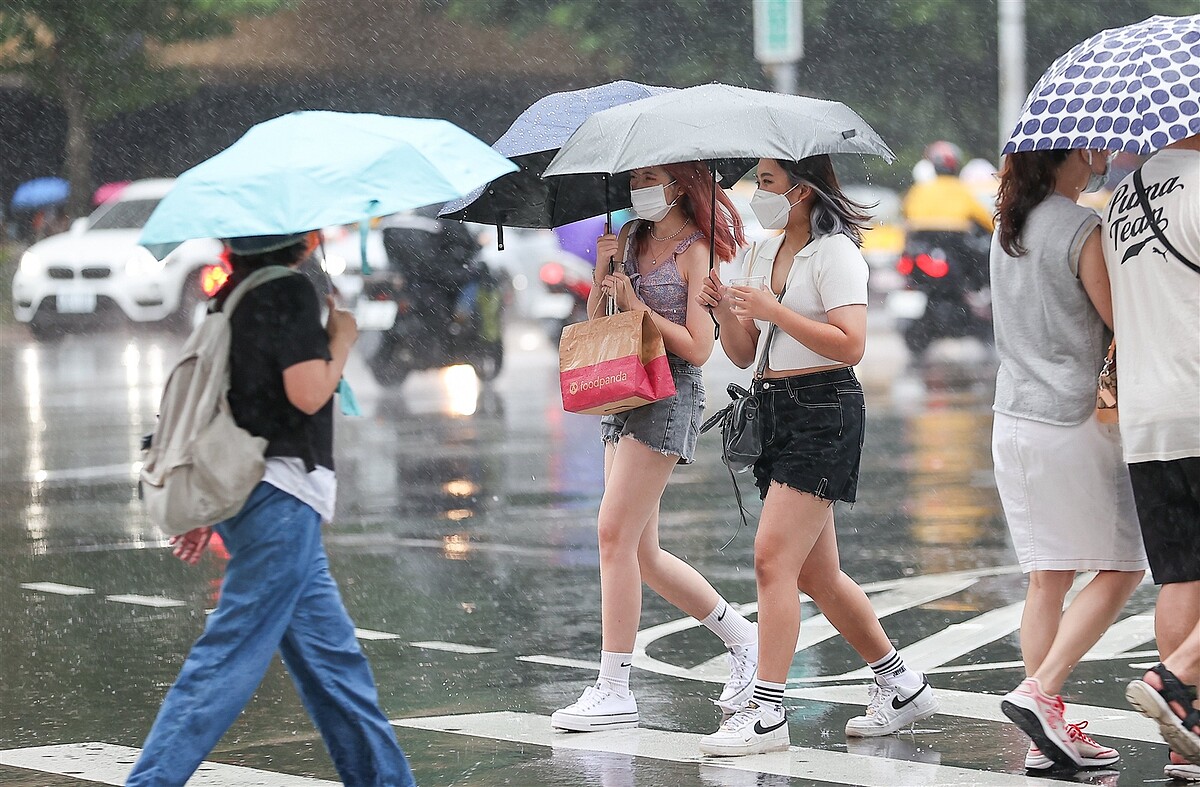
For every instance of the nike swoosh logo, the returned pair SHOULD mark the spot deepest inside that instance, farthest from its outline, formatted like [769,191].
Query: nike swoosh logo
[627,664]
[761,730]
[722,615]
[897,704]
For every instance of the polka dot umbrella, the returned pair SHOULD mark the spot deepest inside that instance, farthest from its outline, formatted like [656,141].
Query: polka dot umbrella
[1134,88]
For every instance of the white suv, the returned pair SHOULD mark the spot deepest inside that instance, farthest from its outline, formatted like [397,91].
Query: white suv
[97,267]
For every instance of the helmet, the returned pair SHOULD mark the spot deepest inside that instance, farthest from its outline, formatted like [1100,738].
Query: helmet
[946,157]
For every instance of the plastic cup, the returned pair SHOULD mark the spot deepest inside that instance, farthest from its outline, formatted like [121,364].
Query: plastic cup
[754,282]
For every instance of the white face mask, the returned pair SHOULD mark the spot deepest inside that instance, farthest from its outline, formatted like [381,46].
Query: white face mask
[1096,180]
[650,203]
[772,209]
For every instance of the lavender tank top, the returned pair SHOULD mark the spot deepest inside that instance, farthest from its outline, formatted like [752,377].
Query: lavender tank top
[663,288]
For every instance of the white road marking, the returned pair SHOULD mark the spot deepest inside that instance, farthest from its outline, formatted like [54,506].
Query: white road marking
[556,661]
[798,762]
[1124,635]
[1112,722]
[147,601]
[452,647]
[999,665]
[86,473]
[54,587]
[108,764]
[368,634]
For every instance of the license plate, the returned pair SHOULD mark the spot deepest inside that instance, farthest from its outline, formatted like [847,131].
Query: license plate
[75,302]
[906,304]
[375,315]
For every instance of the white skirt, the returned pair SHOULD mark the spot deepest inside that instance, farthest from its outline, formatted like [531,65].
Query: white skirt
[1066,495]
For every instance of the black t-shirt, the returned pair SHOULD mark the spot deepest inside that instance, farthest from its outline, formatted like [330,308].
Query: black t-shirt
[277,325]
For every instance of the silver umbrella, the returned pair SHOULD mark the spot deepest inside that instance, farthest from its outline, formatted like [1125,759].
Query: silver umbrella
[714,122]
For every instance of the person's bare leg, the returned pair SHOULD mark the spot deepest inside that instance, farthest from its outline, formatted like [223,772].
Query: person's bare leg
[790,523]
[672,578]
[1042,615]
[635,477]
[1175,617]
[840,598]
[1084,622]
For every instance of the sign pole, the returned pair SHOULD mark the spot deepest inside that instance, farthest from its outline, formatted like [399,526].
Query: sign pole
[779,40]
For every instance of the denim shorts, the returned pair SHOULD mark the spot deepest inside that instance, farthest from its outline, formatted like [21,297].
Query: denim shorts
[812,434]
[669,426]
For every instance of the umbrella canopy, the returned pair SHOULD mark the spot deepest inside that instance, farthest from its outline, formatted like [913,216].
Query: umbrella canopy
[40,193]
[309,170]
[714,122]
[1134,88]
[524,199]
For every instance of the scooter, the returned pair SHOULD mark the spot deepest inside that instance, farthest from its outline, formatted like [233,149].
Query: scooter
[436,305]
[946,293]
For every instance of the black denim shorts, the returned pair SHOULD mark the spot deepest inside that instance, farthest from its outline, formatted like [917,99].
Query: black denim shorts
[669,426]
[813,426]
[1167,495]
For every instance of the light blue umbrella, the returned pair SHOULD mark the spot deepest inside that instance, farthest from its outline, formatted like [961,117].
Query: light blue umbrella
[1133,88]
[309,170]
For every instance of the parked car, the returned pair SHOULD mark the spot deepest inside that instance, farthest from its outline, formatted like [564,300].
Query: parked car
[97,267]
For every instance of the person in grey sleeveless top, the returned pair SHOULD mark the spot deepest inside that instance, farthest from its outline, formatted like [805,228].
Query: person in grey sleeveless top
[660,262]
[1060,473]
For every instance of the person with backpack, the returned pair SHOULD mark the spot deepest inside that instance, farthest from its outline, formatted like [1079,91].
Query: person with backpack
[277,594]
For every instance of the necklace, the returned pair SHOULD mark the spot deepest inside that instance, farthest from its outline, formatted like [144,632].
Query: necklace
[673,235]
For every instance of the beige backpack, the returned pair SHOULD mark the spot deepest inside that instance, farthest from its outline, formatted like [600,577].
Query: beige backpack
[201,466]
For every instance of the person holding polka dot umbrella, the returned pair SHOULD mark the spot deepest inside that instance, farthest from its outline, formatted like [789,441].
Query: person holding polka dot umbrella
[1134,88]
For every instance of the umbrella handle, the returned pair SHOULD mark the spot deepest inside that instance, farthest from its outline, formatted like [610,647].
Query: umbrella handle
[712,240]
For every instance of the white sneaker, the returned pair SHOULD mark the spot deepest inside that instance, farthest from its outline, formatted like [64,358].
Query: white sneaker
[752,730]
[598,708]
[890,710]
[743,664]
[1184,772]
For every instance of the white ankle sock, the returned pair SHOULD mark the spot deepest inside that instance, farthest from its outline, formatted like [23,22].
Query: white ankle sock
[614,671]
[891,670]
[728,624]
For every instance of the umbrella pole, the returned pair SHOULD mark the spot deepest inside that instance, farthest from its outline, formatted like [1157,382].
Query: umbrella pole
[712,240]
[608,227]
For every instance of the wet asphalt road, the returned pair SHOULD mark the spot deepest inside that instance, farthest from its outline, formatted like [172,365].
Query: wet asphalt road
[465,550]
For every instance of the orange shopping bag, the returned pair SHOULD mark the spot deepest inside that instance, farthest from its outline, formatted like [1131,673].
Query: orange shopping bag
[613,364]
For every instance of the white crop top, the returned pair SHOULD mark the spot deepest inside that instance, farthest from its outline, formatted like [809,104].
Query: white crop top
[827,273]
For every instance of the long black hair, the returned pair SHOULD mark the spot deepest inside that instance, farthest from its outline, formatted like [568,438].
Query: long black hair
[832,211]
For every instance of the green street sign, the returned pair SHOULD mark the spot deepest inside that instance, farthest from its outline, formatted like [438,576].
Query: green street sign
[778,31]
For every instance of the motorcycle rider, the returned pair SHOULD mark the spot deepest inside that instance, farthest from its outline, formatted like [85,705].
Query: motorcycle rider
[943,212]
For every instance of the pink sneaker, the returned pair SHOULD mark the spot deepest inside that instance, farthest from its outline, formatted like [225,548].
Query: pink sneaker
[1094,755]
[1036,761]
[1041,718]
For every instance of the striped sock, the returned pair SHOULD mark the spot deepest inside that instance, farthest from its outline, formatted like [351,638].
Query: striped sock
[769,695]
[891,671]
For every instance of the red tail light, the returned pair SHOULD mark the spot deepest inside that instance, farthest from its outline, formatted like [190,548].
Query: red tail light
[552,274]
[934,267]
[905,265]
[213,278]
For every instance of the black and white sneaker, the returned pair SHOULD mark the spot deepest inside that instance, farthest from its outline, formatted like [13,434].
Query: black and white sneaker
[598,708]
[889,710]
[752,730]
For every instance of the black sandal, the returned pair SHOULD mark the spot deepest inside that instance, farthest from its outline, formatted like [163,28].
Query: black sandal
[1180,733]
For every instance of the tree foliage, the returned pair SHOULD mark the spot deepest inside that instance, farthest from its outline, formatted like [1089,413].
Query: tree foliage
[95,56]
[917,70]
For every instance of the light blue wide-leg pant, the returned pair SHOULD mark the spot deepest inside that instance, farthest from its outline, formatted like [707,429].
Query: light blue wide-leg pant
[277,595]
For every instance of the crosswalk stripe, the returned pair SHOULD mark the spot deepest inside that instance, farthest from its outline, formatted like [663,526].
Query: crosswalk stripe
[56,588]
[1110,722]
[106,763]
[558,661]
[452,647]
[369,634]
[799,762]
[146,601]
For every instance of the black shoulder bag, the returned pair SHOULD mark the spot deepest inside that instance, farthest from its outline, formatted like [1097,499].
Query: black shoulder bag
[741,426]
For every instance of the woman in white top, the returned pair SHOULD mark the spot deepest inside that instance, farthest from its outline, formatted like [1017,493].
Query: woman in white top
[1059,471]
[812,415]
